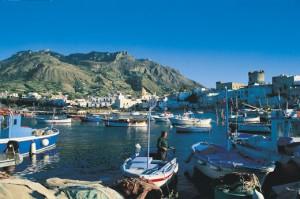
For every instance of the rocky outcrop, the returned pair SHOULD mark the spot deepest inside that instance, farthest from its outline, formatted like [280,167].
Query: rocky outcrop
[15,188]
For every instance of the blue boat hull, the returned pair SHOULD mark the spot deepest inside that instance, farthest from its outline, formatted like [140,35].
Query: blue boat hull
[91,119]
[26,142]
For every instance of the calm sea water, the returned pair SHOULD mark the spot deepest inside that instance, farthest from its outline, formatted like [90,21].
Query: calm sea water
[90,151]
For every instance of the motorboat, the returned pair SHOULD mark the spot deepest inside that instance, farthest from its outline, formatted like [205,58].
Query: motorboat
[215,161]
[281,145]
[125,122]
[54,120]
[91,118]
[191,129]
[244,119]
[187,119]
[143,164]
[156,171]
[27,140]
[163,117]
[254,128]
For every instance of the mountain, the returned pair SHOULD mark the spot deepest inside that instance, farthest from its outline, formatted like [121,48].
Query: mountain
[89,73]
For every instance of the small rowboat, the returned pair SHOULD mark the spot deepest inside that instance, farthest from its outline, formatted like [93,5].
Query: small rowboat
[158,172]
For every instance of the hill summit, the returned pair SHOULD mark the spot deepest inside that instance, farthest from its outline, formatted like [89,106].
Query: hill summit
[97,73]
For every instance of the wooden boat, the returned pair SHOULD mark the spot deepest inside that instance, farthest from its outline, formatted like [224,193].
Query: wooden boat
[125,122]
[91,118]
[215,161]
[244,119]
[185,120]
[26,140]
[255,128]
[280,145]
[163,117]
[54,120]
[156,171]
[145,166]
[190,129]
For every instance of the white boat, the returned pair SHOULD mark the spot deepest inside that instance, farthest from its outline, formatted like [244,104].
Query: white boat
[163,117]
[279,146]
[156,171]
[185,120]
[215,161]
[126,122]
[54,120]
[144,166]
[256,128]
[244,119]
[190,129]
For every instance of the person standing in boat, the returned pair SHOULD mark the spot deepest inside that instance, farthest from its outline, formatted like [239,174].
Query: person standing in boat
[162,146]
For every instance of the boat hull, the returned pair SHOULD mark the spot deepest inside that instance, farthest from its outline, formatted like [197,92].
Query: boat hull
[160,178]
[62,121]
[125,124]
[192,129]
[25,143]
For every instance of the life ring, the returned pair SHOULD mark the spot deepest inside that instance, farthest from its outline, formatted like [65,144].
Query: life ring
[45,142]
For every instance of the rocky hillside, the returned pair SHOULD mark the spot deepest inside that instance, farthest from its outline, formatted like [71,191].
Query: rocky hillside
[85,73]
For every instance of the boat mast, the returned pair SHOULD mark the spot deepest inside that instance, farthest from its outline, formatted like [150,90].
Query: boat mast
[152,104]
[227,119]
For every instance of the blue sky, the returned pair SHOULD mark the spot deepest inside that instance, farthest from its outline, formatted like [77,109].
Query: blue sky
[206,40]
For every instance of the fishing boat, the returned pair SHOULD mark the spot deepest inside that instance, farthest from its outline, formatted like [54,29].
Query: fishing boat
[91,118]
[54,120]
[279,146]
[27,140]
[145,166]
[244,119]
[191,129]
[163,117]
[215,161]
[255,128]
[125,122]
[188,119]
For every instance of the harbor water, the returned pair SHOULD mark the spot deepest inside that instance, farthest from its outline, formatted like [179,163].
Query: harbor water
[91,151]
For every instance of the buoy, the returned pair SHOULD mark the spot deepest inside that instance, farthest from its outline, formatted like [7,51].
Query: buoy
[33,148]
[45,142]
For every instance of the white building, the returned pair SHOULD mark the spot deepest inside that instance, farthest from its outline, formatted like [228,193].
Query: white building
[123,102]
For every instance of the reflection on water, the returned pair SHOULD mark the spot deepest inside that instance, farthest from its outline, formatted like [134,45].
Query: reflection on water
[91,151]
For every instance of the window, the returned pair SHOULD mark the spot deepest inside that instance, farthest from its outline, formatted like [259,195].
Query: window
[15,121]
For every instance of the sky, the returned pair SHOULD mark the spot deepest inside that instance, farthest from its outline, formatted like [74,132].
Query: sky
[208,41]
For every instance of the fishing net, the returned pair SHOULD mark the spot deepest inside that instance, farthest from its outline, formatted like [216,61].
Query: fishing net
[238,182]
[138,188]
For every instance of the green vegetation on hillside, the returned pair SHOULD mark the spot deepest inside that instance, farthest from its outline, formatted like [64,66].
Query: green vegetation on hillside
[96,73]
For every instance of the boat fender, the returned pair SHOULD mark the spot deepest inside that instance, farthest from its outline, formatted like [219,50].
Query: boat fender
[33,148]
[45,142]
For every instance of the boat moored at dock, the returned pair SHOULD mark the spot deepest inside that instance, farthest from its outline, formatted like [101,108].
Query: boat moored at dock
[27,140]
[126,122]
[54,120]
